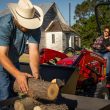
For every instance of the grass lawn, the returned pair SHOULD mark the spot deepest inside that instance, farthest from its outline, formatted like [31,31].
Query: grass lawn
[24,58]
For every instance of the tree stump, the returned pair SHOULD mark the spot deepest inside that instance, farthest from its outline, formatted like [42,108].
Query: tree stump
[40,89]
[51,107]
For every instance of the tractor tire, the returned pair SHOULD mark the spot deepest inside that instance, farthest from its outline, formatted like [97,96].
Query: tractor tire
[101,92]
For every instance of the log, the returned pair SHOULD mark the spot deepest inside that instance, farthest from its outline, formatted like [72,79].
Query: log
[51,107]
[60,103]
[26,104]
[40,89]
[32,104]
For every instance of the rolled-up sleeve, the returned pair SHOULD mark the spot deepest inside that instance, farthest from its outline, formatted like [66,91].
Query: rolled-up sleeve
[5,31]
[35,36]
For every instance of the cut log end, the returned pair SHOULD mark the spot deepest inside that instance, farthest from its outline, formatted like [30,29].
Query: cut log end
[37,108]
[53,91]
[18,106]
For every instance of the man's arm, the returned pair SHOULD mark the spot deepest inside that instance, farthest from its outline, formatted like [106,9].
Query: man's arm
[34,59]
[8,65]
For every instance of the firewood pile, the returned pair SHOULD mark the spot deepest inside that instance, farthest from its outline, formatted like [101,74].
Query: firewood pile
[43,95]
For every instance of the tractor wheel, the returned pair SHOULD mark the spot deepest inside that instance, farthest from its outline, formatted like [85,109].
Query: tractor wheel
[101,92]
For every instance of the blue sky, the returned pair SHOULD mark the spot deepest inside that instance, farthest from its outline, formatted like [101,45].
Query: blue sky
[63,6]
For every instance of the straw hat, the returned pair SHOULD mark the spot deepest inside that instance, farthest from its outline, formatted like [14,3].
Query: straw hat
[28,15]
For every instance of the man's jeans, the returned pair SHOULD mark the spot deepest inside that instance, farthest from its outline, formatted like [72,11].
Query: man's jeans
[6,84]
[107,56]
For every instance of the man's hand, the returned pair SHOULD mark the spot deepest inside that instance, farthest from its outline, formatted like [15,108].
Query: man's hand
[22,81]
[36,75]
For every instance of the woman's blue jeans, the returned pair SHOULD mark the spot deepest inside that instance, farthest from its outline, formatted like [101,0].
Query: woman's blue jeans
[106,56]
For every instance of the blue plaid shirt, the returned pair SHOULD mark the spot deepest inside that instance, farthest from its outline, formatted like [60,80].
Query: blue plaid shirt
[11,36]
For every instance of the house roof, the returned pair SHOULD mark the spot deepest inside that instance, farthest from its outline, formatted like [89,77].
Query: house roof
[45,7]
[56,26]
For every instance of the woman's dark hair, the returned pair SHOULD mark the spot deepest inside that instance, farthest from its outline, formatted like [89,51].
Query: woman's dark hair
[107,27]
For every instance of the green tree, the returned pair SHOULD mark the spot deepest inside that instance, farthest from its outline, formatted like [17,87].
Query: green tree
[86,24]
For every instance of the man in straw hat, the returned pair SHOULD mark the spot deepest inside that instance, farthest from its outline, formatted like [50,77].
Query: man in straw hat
[15,30]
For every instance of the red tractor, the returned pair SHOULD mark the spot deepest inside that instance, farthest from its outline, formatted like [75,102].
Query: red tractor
[91,73]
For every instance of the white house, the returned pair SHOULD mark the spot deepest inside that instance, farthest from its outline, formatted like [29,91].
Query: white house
[55,32]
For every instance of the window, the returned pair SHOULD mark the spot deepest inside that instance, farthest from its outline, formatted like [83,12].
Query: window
[53,38]
[76,40]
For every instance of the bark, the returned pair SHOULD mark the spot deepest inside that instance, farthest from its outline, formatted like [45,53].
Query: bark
[51,107]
